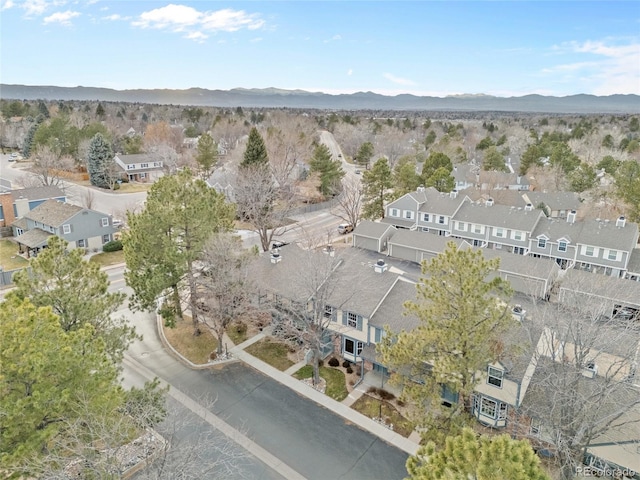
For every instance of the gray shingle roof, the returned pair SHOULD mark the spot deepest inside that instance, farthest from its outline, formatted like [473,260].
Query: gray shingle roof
[422,241]
[500,216]
[53,212]
[391,310]
[555,200]
[634,261]
[137,158]
[37,193]
[367,228]
[398,221]
[604,286]
[33,238]
[441,203]
[590,232]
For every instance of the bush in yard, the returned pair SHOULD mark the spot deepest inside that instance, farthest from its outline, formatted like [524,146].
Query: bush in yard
[349,370]
[346,364]
[384,395]
[373,390]
[334,362]
[112,246]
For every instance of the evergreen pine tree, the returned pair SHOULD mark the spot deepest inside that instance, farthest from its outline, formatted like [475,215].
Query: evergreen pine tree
[256,152]
[330,170]
[99,160]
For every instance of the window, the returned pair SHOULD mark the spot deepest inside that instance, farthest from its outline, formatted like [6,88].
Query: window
[106,238]
[588,251]
[131,166]
[157,164]
[502,411]
[495,377]
[425,217]
[352,320]
[352,347]
[516,235]
[562,246]
[408,214]
[462,226]
[441,219]
[144,165]
[104,222]
[613,255]
[330,312]
[478,229]
[143,175]
[377,334]
[82,243]
[534,428]
[488,407]
[542,243]
[66,228]
[499,232]
[395,212]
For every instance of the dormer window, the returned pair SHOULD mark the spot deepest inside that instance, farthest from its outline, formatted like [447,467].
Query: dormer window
[562,246]
[495,377]
[425,217]
[542,243]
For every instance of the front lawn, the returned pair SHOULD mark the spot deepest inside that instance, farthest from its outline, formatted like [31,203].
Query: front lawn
[9,258]
[272,352]
[195,349]
[336,384]
[108,258]
[370,406]
[237,332]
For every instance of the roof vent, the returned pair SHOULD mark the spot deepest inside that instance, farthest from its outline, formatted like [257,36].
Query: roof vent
[528,207]
[380,266]
[329,250]
[454,193]
[420,188]
[571,216]
[620,222]
[275,256]
[489,202]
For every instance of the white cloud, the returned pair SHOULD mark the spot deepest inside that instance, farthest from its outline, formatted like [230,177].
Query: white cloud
[197,36]
[113,17]
[335,38]
[63,18]
[350,72]
[256,40]
[6,4]
[398,80]
[38,7]
[609,67]
[178,18]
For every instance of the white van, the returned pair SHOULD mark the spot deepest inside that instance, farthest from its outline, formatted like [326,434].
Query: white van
[345,228]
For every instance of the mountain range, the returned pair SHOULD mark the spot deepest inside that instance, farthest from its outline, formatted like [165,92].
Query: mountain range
[300,99]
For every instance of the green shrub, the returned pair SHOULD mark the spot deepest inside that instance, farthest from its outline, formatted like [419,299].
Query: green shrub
[112,246]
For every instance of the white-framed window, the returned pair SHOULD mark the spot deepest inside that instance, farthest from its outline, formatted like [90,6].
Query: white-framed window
[352,347]
[478,228]
[562,246]
[534,428]
[144,165]
[131,166]
[542,243]
[589,251]
[488,407]
[425,229]
[330,312]
[106,238]
[82,243]
[143,175]
[517,235]
[425,217]
[499,232]
[462,226]
[502,411]
[408,214]
[612,255]
[352,320]
[495,376]
[157,164]
[104,221]
[441,219]
[395,212]
[66,228]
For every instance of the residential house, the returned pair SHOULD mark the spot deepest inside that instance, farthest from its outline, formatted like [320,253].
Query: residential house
[493,180]
[556,204]
[81,227]
[372,235]
[140,167]
[633,266]
[15,204]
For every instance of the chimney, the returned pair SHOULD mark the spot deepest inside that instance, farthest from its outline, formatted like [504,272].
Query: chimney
[6,201]
[571,216]
[420,188]
[620,222]
[454,193]
[329,250]
[528,207]
[275,256]
[489,202]
[380,266]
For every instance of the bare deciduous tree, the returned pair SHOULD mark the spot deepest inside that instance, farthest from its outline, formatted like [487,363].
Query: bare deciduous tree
[287,145]
[48,166]
[349,202]
[262,203]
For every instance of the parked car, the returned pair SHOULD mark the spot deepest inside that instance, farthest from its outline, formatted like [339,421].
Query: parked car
[358,172]
[278,244]
[345,228]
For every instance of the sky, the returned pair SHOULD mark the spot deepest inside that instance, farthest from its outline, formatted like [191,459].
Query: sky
[434,48]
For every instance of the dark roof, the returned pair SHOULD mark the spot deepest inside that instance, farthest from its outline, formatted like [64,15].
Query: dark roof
[34,238]
[53,212]
[37,193]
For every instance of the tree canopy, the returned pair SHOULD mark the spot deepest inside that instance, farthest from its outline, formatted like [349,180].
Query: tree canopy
[99,161]
[471,457]
[256,151]
[330,170]
[364,154]
[376,185]
[207,157]
[460,323]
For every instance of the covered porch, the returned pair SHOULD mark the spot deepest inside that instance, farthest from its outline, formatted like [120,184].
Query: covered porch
[32,241]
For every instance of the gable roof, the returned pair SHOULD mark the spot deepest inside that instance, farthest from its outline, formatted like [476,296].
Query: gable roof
[391,311]
[555,200]
[52,212]
[137,158]
[499,216]
[590,232]
[367,228]
[441,203]
[422,241]
[634,261]
[37,193]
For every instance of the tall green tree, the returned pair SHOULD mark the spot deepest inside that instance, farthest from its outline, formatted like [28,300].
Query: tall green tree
[563,157]
[460,324]
[207,157]
[99,161]
[49,377]
[583,178]
[405,177]
[27,145]
[531,156]
[376,186]
[441,180]
[628,187]
[165,239]
[494,161]
[434,161]
[256,151]
[77,291]
[100,110]
[469,457]
[330,170]
[364,154]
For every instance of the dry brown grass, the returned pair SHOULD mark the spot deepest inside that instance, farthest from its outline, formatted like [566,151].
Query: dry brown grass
[195,349]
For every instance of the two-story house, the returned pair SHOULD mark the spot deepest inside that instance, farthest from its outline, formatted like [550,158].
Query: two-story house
[140,167]
[81,227]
